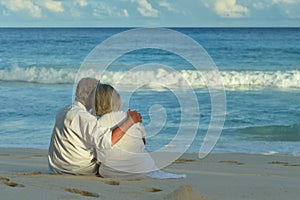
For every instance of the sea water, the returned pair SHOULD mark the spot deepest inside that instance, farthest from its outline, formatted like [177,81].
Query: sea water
[260,70]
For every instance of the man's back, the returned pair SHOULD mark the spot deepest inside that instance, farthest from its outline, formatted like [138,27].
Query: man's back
[69,150]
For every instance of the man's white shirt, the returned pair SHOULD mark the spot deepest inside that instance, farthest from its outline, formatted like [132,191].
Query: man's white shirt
[77,137]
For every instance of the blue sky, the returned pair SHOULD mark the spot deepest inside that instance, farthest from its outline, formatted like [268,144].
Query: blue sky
[149,13]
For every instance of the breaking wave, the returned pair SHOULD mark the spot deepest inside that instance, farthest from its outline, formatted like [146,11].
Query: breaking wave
[236,80]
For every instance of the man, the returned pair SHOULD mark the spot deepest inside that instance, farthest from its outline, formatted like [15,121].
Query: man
[77,136]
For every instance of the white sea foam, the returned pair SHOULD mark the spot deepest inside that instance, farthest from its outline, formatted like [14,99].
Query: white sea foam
[270,153]
[158,78]
[38,75]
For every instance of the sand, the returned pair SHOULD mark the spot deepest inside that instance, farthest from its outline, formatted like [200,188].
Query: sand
[24,175]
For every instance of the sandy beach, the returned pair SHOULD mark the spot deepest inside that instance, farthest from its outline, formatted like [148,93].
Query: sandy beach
[24,175]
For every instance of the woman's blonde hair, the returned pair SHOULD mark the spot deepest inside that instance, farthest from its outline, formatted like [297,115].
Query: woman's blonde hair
[107,99]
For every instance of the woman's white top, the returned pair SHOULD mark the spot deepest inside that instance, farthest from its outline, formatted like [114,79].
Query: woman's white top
[128,155]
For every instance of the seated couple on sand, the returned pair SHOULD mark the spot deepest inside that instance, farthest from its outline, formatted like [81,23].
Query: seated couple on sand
[92,136]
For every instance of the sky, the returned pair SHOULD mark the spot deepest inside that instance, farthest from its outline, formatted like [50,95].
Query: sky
[150,13]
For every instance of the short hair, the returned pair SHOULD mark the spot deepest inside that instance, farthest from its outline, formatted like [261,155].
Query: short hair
[107,99]
[85,89]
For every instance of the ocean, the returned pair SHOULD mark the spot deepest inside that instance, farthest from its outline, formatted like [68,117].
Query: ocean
[259,68]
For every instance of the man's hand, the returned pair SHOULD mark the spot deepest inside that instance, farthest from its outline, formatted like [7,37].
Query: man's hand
[117,133]
[134,116]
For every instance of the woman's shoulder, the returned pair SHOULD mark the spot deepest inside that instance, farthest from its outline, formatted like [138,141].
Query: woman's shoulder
[118,115]
[113,118]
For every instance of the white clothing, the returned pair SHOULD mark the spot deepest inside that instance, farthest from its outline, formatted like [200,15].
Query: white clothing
[76,138]
[128,157]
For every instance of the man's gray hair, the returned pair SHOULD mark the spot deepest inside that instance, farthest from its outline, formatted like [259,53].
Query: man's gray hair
[85,88]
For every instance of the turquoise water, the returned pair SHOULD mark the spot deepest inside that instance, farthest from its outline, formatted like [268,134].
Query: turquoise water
[260,69]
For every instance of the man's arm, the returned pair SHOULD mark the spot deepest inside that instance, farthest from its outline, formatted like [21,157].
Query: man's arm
[117,133]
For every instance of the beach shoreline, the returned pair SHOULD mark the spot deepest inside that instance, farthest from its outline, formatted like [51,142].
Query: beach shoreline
[24,175]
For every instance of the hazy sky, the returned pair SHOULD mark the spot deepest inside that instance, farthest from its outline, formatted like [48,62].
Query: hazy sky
[149,13]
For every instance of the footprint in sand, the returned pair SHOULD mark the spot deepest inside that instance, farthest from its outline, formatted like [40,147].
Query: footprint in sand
[232,162]
[152,190]
[292,165]
[7,182]
[282,163]
[4,178]
[30,173]
[112,182]
[81,192]
[183,160]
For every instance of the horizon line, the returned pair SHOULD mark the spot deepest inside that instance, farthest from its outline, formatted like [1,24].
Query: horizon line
[149,27]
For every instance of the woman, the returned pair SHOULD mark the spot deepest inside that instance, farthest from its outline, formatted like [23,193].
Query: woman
[128,157]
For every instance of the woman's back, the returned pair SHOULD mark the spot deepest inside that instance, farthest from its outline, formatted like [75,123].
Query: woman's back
[132,140]
[128,156]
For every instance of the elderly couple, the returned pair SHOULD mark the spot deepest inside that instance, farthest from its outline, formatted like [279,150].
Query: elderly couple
[92,136]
